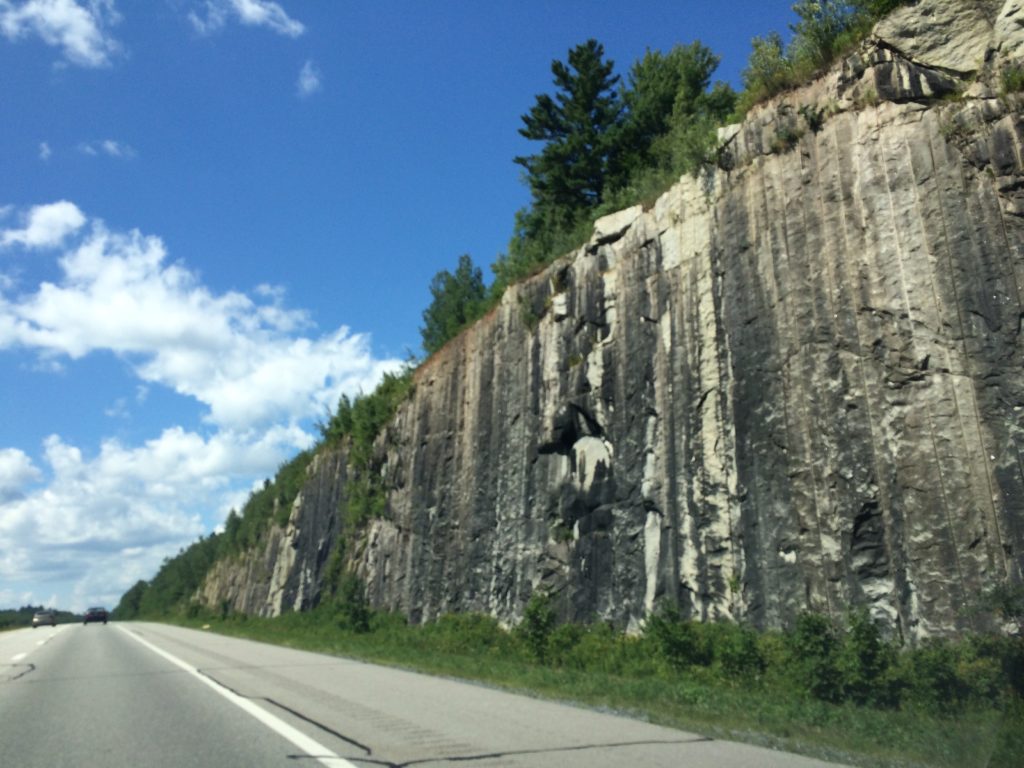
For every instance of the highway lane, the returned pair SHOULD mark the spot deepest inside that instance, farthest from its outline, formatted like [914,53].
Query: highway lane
[16,646]
[151,694]
[92,696]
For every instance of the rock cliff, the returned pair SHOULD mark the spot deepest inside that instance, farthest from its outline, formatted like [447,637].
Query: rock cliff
[793,383]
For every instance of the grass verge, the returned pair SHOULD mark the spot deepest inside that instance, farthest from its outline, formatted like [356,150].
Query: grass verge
[627,676]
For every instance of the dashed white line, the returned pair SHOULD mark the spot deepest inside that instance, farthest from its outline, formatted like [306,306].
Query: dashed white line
[310,746]
[18,656]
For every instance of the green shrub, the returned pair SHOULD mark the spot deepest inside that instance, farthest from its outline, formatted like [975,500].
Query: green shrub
[948,677]
[330,582]
[786,138]
[818,36]
[768,72]
[534,631]
[1006,603]
[738,652]
[824,31]
[387,623]
[813,116]
[1009,651]
[995,666]
[932,678]
[358,423]
[866,664]
[1012,79]
[681,644]
[466,633]
[353,609]
[562,644]
[813,650]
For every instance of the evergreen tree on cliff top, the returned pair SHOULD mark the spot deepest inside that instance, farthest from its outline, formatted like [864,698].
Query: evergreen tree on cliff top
[672,112]
[569,177]
[458,299]
[605,143]
[578,125]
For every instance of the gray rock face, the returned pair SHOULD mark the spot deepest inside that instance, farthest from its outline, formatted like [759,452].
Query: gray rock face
[286,573]
[795,383]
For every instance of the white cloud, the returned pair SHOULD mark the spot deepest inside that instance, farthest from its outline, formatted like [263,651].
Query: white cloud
[253,13]
[89,526]
[101,523]
[239,356]
[119,410]
[309,80]
[16,472]
[80,30]
[46,226]
[44,151]
[117,149]
[108,147]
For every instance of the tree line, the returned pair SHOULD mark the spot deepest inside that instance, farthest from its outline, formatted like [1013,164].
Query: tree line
[607,143]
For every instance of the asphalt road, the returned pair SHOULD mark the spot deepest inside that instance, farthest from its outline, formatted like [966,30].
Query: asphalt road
[139,694]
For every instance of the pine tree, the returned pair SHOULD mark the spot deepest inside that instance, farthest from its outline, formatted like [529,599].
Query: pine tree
[578,127]
[458,300]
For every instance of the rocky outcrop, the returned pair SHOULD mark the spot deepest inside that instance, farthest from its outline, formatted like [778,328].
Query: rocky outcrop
[794,383]
[285,572]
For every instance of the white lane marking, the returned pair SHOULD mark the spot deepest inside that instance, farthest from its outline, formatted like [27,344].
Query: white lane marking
[310,746]
[49,637]
[39,643]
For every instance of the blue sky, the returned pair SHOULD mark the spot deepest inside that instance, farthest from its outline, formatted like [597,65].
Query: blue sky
[218,215]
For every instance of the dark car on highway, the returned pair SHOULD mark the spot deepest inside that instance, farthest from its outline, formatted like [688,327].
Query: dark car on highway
[95,614]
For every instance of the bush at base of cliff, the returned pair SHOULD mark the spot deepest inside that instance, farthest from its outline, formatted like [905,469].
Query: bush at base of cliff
[739,652]
[468,633]
[537,625]
[952,677]
[351,607]
[682,644]
[866,664]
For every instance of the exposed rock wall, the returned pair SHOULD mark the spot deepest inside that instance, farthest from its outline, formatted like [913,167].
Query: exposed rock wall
[794,383]
[285,573]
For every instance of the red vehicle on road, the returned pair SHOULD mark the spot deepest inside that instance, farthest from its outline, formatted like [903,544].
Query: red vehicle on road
[95,614]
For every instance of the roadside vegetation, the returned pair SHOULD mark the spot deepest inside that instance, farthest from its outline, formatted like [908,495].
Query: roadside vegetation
[835,690]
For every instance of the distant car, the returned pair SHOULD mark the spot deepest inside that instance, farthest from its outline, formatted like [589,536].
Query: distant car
[44,617]
[95,614]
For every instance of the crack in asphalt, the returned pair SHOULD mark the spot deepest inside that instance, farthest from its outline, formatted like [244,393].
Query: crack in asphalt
[514,752]
[548,750]
[370,760]
[293,712]
[27,668]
